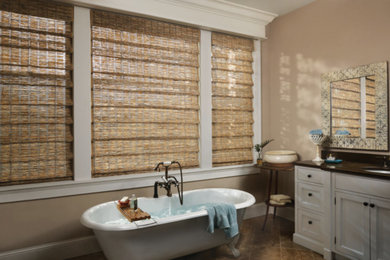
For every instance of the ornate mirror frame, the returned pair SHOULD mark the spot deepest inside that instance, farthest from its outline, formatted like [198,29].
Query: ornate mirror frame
[380,143]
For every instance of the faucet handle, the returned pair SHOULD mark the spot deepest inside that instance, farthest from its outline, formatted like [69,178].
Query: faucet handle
[167,164]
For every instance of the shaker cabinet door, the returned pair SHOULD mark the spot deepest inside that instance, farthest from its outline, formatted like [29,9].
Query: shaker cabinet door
[353,225]
[380,229]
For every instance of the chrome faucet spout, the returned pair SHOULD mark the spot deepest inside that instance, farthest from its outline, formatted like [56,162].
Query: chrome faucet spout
[157,168]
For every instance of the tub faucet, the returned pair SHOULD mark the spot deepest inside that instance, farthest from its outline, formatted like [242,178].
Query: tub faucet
[168,181]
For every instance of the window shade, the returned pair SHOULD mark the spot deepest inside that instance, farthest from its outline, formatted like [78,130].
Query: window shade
[232,99]
[145,94]
[35,91]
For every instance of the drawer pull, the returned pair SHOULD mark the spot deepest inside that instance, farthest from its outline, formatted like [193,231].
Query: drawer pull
[365,203]
[310,194]
[372,205]
[310,222]
[309,176]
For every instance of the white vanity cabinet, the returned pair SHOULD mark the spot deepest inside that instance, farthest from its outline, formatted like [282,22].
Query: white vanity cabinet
[362,216]
[342,213]
[312,209]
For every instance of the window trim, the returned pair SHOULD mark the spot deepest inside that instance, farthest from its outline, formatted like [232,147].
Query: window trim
[83,182]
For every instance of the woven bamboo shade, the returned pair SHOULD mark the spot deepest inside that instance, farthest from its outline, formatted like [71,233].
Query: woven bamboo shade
[35,91]
[145,94]
[232,99]
[346,106]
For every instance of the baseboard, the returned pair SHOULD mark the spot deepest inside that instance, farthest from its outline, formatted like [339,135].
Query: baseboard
[260,209]
[328,254]
[256,210]
[308,243]
[56,250]
[287,213]
[88,245]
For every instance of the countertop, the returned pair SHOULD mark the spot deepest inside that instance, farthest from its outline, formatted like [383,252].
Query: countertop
[348,167]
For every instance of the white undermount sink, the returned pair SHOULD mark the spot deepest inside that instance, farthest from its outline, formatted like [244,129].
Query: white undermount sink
[376,170]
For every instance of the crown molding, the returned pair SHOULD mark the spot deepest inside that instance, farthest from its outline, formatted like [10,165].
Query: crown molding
[225,8]
[214,15]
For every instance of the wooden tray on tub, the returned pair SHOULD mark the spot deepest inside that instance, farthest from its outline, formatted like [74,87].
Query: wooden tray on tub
[133,215]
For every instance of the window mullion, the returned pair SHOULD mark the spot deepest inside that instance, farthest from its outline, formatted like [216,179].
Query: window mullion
[256,94]
[205,101]
[82,93]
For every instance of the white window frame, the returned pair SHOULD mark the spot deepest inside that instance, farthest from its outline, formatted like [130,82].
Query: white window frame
[83,182]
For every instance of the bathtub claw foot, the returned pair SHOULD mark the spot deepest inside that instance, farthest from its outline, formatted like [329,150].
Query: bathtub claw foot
[232,246]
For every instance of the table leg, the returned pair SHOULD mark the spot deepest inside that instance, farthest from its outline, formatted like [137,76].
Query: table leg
[276,188]
[269,197]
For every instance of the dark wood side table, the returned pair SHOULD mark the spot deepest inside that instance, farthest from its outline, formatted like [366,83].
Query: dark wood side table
[274,168]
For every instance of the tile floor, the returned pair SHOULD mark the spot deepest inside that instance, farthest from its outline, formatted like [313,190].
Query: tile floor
[275,243]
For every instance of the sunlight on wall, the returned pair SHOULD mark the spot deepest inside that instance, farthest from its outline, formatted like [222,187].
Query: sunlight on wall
[298,109]
[285,99]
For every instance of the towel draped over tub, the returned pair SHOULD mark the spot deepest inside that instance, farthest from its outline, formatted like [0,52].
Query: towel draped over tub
[223,216]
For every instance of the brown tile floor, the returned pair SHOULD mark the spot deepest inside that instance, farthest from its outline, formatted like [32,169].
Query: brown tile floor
[275,243]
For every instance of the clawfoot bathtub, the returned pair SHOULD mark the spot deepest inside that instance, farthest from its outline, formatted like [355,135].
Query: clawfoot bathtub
[173,230]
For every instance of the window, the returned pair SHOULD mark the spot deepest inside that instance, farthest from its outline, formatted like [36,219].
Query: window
[142,94]
[35,91]
[145,105]
[232,96]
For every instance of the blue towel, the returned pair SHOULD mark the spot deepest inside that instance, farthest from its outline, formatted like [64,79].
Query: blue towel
[222,216]
[316,132]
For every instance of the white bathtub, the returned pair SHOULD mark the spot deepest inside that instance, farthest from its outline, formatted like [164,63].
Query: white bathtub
[176,230]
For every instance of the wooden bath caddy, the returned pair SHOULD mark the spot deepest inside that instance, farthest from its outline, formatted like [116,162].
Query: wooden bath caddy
[133,215]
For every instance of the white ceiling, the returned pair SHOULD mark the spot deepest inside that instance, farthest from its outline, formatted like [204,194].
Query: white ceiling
[278,7]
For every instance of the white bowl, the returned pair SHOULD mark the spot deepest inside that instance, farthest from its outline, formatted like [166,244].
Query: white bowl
[280,156]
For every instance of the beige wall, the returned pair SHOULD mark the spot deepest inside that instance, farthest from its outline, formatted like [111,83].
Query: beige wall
[324,36]
[30,223]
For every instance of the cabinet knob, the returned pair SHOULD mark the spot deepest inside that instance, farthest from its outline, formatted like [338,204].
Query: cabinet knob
[310,222]
[372,205]
[309,194]
[365,203]
[309,176]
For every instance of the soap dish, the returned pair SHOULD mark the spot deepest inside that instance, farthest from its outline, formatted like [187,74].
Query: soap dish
[333,161]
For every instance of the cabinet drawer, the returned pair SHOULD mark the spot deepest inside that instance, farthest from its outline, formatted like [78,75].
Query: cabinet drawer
[310,197]
[362,184]
[310,225]
[310,175]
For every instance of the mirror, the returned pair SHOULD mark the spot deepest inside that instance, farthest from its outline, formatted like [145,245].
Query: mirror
[354,107]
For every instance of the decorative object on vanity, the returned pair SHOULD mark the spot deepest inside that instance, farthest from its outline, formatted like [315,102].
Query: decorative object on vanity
[355,107]
[317,137]
[280,157]
[332,159]
[259,149]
